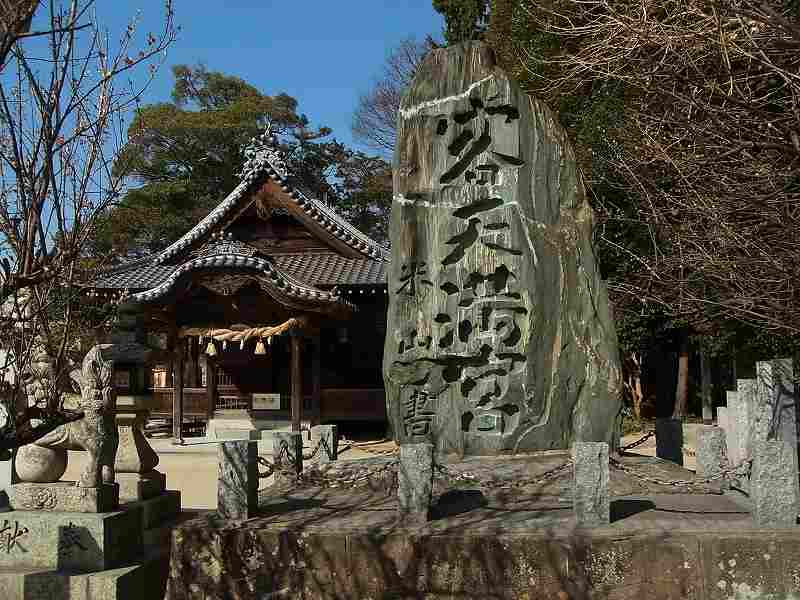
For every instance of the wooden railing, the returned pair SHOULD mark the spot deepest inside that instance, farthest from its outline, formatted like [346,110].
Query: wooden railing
[344,404]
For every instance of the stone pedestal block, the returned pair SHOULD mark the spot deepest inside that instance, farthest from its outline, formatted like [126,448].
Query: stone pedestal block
[64,496]
[591,501]
[287,454]
[158,510]
[711,455]
[134,453]
[774,484]
[140,486]
[669,440]
[327,436]
[415,482]
[69,541]
[237,485]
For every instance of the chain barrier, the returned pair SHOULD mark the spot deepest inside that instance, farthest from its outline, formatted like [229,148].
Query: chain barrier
[265,463]
[315,451]
[318,479]
[689,483]
[366,447]
[686,450]
[638,442]
[466,476]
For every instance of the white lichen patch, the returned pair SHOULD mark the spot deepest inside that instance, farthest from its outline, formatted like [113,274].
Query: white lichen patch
[609,567]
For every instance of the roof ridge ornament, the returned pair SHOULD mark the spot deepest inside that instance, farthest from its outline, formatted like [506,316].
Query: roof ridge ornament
[260,149]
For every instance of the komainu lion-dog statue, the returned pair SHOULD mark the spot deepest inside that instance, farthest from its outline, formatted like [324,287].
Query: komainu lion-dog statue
[45,461]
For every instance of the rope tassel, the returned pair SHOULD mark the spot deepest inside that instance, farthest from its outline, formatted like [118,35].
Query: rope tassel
[260,348]
[211,349]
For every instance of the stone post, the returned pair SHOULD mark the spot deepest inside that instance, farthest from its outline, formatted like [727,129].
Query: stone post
[327,436]
[415,482]
[732,433]
[287,454]
[669,439]
[774,485]
[775,417]
[744,414]
[711,458]
[722,418]
[590,498]
[237,484]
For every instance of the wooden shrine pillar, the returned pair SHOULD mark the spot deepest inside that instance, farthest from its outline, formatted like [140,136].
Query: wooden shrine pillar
[194,378]
[177,393]
[297,378]
[316,380]
[211,385]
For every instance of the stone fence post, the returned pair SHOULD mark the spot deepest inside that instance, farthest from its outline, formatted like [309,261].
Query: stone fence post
[415,482]
[237,484]
[669,439]
[590,497]
[711,455]
[287,454]
[327,437]
[774,484]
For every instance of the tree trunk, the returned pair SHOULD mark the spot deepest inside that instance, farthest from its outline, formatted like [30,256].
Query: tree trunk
[682,390]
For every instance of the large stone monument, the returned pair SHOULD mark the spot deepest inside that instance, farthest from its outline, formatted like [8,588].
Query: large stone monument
[500,336]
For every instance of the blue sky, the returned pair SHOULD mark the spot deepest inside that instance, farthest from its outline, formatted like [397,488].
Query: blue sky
[324,53]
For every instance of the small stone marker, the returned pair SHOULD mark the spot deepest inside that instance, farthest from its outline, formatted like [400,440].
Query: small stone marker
[774,485]
[415,481]
[327,436]
[287,453]
[711,459]
[591,501]
[237,485]
[669,440]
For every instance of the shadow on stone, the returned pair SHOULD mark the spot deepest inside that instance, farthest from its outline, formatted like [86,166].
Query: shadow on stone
[622,509]
[76,546]
[457,502]
[285,504]
[50,585]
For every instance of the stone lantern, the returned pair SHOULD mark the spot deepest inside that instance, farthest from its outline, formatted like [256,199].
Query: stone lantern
[136,460]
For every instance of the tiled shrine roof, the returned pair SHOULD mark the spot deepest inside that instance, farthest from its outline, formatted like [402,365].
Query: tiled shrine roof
[208,246]
[264,162]
[323,269]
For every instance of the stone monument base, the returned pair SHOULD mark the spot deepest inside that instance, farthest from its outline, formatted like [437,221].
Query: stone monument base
[158,509]
[77,542]
[146,579]
[64,496]
[140,486]
[75,556]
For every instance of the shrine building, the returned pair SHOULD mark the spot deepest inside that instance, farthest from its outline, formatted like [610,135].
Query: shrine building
[272,308]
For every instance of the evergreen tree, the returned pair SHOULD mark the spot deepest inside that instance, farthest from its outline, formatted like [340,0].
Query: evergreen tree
[185,155]
[464,19]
